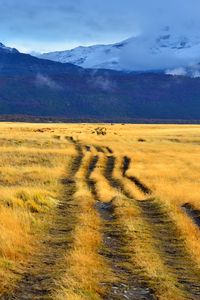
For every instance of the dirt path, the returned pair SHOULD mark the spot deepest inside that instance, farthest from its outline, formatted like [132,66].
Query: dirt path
[115,183]
[46,266]
[172,247]
[192,213]
[38,282]
[167,237]
[125,166]
[128,285]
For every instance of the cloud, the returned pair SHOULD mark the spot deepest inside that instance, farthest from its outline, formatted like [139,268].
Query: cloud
[195,71]
[43,80]
[177,72]
[191,71]
[104,83]
[55,25]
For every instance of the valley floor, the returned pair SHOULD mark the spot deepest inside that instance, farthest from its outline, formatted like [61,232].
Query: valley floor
[95,211]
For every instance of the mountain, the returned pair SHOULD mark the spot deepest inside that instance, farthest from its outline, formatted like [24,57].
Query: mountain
[98,56]
[39,87]
[145,53]
[4,49]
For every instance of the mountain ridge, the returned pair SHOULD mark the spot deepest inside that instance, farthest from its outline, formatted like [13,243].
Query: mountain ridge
[43,88]
[165,52]
[6,49]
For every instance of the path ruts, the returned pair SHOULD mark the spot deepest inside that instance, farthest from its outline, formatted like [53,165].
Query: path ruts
[115,183]
[99,149]
[46,266]
[172,248]
[91,182]
[114,250]
[192,213]
[135,180]
[165,233]
[104,149]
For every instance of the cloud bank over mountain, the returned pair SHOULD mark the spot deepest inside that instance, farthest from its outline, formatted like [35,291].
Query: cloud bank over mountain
[161,51]
[63,24]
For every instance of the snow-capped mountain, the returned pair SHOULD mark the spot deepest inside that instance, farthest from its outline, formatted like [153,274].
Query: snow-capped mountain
[38,87]
[165,51]
[5,49]
[98,56]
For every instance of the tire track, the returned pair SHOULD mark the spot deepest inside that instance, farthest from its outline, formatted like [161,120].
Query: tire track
[114,250]
[110,151]
[46,266]
[165,233]
[192,213]
[91,182]
[99,149]
[103,149]
[88,148]
[135,180]
[172,247]
[115,183]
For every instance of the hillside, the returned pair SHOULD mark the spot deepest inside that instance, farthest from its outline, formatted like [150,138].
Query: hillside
[37,87]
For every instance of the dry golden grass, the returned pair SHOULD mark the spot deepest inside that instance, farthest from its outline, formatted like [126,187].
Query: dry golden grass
[33,159]
[31,166]
[86,268]
[131,188]
[105,192]
[14,226]
[167,160]
[146,255]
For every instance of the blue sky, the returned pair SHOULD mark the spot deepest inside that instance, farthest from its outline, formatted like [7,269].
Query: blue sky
[43,25]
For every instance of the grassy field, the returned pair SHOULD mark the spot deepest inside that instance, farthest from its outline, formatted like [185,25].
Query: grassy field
[95,211]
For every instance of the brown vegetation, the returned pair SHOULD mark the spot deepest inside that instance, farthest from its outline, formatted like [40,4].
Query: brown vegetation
[128,232]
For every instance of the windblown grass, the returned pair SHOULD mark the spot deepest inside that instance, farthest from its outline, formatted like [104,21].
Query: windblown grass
[86,268]
[31,166]
[105,191]
[33,159]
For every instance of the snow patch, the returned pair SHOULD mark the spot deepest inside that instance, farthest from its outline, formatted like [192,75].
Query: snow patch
[144,53]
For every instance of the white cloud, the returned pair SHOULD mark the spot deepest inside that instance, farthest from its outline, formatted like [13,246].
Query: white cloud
[177,72]
[43,80]
[196,74]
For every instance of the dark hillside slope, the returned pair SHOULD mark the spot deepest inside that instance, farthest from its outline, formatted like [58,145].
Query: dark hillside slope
[32,86]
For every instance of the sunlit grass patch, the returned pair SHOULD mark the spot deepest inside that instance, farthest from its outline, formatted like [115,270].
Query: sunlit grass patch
[32,165]
[34,158]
